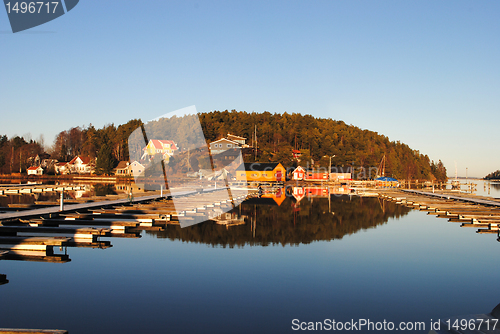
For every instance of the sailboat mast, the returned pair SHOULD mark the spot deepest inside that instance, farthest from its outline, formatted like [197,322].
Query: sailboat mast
[383,166]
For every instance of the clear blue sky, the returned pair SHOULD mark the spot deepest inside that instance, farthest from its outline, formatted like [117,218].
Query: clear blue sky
[426,73]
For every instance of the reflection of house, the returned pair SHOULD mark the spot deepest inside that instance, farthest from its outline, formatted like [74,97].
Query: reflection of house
[136,168]
[298,193]
[155,146]
[261,172]
[80,165]
[278,196]
[316,191]
[301,192]
[122,168]
[230,219]
[35,171]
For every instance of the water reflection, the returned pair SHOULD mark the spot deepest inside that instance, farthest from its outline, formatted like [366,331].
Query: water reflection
[290,223]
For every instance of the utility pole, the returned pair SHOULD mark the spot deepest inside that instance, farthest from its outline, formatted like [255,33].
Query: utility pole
[330,170]
[12,160]
[255,148]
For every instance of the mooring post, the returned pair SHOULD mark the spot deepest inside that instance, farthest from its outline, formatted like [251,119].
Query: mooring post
[161,190]
[61,204]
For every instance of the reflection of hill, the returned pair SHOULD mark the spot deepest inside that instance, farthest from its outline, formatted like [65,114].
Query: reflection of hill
[310,221]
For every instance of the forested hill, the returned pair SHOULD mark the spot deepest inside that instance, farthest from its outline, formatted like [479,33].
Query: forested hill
[493,176]
[277,136]
[317,138]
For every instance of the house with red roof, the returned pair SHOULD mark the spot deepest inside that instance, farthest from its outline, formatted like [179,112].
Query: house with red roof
[80,165]
[156,146]
[296,154]
[299,173]
[35,170]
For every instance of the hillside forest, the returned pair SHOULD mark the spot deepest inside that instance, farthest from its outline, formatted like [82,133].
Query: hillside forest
[274,135]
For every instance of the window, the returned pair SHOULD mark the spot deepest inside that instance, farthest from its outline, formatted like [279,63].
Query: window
[228,145]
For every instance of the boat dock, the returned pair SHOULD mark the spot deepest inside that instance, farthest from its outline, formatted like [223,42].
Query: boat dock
[33,234]
[13,189]
[470,210]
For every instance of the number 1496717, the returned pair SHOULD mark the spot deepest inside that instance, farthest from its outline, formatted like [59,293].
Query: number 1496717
[472,324]
[31,7]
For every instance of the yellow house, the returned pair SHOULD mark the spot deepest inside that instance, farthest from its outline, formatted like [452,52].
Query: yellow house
[164,147]
[261,172]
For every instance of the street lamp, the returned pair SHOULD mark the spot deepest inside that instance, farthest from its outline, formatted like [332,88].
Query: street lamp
[330,170]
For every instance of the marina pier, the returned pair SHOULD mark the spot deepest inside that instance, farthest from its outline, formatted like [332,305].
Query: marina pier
[470,210]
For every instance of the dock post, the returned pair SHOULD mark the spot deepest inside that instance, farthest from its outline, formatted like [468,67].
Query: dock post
[161,190]
[61,204]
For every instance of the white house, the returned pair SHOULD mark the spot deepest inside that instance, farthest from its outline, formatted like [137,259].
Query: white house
[122,168]
[136,168]
[80,165]
[35,170]
[222,145]
[238,139]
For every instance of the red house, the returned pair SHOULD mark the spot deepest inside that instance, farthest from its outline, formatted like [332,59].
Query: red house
[316,176]
[298,173]
[296,154]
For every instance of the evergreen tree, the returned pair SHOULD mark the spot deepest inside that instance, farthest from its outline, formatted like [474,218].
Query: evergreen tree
[105,159]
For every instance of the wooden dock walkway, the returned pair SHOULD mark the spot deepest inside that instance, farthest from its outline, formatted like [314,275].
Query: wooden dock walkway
[35,188]
[469,210]
[72,208]
[32,233]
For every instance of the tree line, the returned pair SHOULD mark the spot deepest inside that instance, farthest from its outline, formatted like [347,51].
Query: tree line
[318,139]
[277,135]
[493,176]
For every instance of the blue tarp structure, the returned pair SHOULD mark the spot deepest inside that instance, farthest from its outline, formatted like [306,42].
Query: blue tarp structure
[386,179]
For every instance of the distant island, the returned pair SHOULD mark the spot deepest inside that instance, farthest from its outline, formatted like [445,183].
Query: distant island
[493,176]
[292,139]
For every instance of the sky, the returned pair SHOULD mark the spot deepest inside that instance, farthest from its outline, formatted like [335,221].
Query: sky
[425,73]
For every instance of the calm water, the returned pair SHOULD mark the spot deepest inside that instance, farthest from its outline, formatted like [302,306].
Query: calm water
[486,188]
[348,259]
